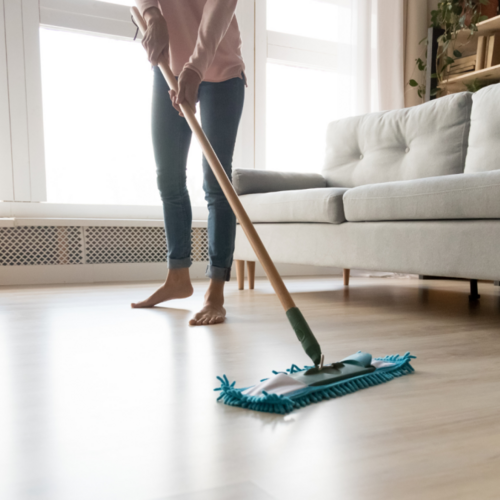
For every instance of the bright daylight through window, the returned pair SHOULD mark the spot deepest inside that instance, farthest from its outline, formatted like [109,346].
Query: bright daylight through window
[97,103]
[321,19]
[97,109]
[302,97]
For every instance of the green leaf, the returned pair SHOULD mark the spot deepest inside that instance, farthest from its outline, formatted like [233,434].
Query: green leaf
[457,54]
[413,83]
[483,18]
[421,65]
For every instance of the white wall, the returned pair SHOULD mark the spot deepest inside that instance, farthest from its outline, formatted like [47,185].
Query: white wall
[432,4]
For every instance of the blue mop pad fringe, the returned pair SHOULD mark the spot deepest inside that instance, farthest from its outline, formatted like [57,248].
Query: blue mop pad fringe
[273,403]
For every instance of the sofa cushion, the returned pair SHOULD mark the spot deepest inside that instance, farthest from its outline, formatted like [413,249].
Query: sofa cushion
[307,205]
[413,143]
[247,181]
[484,139]
[474,196]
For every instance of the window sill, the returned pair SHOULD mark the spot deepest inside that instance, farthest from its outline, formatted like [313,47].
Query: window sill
[119,215]
[86,222]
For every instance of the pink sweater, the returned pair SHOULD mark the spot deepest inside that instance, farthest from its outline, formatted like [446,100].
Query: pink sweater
[204,36]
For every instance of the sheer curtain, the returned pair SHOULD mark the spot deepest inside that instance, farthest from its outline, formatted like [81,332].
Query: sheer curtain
[378,48]
[327,60]
[386,46]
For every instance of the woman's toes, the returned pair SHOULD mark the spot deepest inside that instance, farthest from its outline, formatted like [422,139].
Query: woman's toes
[207,316]
[197,319]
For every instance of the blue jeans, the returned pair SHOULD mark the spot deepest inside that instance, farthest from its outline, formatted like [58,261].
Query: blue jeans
[221,105]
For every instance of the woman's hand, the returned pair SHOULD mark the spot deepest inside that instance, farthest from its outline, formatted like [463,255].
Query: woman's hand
[189,83]
[155,40]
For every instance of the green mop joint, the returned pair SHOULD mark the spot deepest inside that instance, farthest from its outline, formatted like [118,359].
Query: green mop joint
[304,334]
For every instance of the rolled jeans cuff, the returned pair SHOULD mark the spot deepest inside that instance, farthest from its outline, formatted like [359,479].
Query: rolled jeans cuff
[179,263]
[218,273]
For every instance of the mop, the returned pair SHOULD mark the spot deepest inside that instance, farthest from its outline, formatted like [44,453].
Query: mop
[296,387]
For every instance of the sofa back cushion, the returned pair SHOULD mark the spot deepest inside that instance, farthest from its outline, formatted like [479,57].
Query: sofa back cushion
[484,139]
[412,143]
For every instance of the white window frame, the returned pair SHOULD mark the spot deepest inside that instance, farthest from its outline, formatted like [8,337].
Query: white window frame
[22,166]
[22,155]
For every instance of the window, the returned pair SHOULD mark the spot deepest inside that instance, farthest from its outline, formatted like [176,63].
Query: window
[97,109]
[298,112]
[321,19]
[319,68]
[128,3]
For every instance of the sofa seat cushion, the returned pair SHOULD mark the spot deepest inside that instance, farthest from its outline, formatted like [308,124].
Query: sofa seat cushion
[306,205]
[462,196]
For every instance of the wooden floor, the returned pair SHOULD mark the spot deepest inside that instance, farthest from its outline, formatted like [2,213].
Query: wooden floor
[102,402]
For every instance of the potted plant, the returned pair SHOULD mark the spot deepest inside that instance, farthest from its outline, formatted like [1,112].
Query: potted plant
[452,17]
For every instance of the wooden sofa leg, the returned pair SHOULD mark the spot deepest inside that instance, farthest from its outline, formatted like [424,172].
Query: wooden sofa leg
[251,274]
[347,274]
[240,273]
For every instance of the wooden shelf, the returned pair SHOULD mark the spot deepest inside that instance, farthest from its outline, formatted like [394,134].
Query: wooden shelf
[457,83]
[485,75]
[488,26]
[485,28]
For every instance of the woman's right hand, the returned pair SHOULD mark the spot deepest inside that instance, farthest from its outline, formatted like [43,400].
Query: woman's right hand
[155,40]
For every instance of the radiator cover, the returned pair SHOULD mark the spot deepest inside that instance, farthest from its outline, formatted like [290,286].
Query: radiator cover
[63,245]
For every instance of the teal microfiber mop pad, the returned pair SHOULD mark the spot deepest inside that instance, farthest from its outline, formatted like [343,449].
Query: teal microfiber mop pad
[296,388]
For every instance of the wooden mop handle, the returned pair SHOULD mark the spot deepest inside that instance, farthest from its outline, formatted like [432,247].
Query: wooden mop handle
[224,182]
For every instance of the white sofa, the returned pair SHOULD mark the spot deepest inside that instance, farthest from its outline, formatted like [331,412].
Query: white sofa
[415,191]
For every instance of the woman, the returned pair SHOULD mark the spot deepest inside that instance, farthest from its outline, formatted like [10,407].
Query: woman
[203,41]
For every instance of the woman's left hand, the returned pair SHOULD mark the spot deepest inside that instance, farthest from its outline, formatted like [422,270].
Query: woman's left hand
[189,82]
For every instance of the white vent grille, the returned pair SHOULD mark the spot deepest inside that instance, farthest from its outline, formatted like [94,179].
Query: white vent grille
[40,245]
[53,245]
[199,244]
[113,245]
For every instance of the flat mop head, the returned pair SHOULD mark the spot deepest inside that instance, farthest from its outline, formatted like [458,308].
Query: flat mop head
[296,388]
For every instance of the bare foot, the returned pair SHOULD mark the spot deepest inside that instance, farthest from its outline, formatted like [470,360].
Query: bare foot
[213,311]
[177,286]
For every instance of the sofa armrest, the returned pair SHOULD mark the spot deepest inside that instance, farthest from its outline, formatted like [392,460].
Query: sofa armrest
[249,181]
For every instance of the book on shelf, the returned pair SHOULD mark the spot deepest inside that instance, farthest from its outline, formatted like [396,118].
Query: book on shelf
[462,65]
[465,61]
[461,72]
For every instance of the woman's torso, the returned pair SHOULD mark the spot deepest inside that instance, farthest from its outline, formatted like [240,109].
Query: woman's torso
[183,21]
